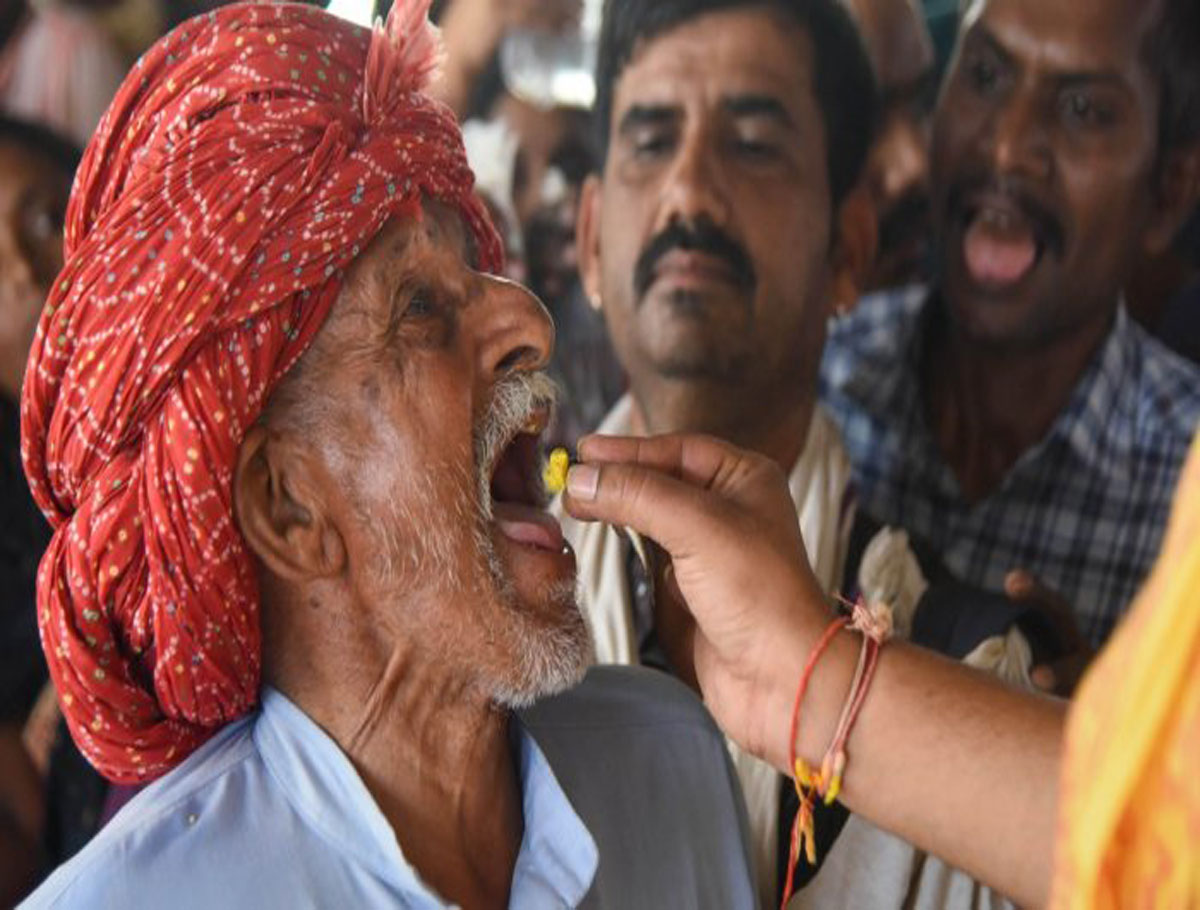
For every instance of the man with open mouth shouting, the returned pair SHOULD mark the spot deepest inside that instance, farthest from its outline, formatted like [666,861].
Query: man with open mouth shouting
[285,423]
[1011,414]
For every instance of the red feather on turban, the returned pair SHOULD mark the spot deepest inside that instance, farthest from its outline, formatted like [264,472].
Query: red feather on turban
[248,158]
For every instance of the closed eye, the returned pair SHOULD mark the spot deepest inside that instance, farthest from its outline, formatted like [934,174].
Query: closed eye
[652,143]
[755,149]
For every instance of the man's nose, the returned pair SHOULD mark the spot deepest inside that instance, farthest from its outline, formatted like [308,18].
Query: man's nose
[514,330]
[694,187]
[1016,140]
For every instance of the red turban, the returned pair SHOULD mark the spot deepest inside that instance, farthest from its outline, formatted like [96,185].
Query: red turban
[249,156]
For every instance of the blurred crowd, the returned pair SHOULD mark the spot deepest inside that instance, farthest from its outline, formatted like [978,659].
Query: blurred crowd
[598,191]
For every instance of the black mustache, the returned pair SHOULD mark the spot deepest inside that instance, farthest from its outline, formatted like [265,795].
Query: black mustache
[699,237]
[1046,224]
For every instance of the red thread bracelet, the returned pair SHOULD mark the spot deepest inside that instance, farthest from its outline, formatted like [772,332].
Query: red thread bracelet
[875,624]
[804,813]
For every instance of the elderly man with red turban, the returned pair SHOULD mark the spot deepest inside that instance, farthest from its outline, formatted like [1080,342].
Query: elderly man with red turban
[285,424]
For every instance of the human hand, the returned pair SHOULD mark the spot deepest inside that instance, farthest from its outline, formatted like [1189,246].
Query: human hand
[1062,675]
[473,28]
[726,519]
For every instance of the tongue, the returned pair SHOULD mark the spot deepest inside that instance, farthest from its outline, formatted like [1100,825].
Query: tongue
[529,525]
[999,254]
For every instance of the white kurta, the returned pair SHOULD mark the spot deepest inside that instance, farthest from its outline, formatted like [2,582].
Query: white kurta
[820,487]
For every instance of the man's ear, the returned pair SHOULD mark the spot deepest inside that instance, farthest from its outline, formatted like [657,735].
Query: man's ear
[587,239]
[279,512]
[855,243]
[1176,193]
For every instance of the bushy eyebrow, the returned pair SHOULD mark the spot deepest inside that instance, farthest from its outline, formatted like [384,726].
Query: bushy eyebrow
[1085,78]
[1062,78]
[748,106]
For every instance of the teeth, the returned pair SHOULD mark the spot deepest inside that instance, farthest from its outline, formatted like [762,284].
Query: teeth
[998,218]
[534,424]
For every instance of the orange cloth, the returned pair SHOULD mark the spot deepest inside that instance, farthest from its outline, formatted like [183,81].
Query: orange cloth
[1130,814]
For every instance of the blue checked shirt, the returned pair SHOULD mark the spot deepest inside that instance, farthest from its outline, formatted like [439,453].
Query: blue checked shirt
[1084,510]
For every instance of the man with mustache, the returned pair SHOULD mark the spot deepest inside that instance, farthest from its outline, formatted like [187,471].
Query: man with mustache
[897,173]
[285,423]
[721,233]
[1011,414]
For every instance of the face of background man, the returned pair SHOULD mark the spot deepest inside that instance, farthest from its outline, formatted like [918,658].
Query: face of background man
[33,204]
[708,237]
[554,155]
[897,173]
[1045,167]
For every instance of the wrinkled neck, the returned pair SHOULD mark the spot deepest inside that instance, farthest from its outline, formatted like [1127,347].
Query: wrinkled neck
[433,751]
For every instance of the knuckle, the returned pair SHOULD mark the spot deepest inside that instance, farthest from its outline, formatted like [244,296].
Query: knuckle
[627,486]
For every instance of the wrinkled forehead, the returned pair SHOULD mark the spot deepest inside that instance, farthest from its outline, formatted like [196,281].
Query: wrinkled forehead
[718,59]
[435,229]
[1059,36]
[425,246]
[442,226]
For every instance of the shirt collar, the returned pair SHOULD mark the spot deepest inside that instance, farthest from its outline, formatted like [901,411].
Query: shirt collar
[557,853]
[887,380]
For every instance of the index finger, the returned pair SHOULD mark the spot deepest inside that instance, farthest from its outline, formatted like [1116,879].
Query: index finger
[697,460]
[678,515]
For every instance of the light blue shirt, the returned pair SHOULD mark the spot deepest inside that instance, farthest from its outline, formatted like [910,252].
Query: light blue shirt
[629,801]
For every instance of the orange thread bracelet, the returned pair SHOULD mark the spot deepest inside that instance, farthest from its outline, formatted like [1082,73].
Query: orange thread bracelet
[875,624]
[802,827]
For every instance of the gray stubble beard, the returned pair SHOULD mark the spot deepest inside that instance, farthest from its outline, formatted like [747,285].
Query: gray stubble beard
[545,659]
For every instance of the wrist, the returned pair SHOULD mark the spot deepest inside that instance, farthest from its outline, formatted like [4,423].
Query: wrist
[782,667]
[827,685]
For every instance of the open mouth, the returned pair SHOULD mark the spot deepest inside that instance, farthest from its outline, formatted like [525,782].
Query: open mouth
[1002,243]
[518,496]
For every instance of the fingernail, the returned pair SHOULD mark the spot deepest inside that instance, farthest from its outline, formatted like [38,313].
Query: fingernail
[583,480]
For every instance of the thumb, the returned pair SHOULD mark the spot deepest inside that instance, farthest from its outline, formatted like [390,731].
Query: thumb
[670,511]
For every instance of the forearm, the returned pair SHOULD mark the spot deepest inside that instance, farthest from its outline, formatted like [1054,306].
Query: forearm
[470,40]
[943,756]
